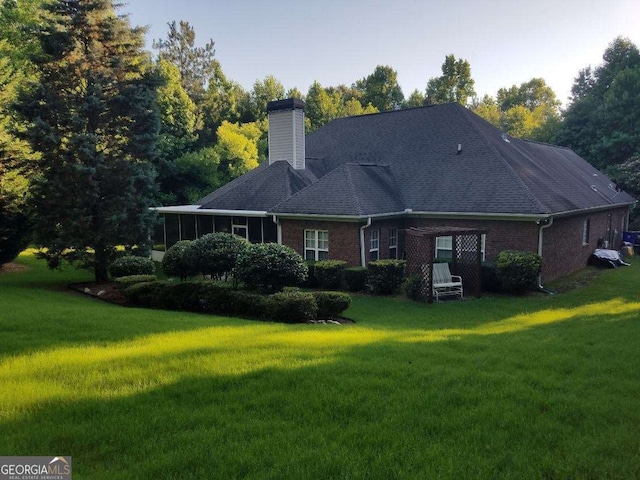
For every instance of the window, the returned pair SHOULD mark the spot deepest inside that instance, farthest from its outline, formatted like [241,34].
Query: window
[393,243]
[374,245]
[586,226]
[316,245]
[239,227]
[444,247]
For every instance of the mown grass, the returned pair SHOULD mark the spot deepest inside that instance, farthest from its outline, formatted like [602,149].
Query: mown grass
[499,387]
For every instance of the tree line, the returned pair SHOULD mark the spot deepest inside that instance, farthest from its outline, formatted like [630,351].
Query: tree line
[94,128]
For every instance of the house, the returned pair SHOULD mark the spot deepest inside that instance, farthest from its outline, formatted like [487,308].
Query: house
[351,189]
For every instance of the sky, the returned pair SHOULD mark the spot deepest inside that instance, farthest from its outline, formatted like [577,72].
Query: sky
[336,42]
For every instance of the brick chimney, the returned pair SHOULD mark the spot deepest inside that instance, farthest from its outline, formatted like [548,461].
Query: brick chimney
[286,132]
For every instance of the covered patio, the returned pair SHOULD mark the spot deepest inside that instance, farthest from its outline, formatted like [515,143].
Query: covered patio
[466,256]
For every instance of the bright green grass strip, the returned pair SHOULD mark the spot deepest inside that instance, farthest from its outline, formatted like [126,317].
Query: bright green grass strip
[500,387]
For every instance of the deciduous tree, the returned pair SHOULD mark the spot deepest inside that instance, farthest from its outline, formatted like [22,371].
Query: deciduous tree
[454,85]
[381,89]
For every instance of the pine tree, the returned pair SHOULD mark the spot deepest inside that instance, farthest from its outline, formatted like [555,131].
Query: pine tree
[95,125]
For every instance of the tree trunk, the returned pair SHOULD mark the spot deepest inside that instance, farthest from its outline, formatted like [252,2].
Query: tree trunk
[101,264]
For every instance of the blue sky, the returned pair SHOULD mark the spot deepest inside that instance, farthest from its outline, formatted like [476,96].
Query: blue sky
[340,41]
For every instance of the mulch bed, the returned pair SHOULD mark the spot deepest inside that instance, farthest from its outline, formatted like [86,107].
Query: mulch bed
[102,291]
[12,268]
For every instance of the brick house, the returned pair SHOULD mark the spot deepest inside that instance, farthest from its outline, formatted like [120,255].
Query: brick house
[349,190]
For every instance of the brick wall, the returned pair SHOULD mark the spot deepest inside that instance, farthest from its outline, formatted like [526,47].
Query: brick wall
[563,251]
[344,238]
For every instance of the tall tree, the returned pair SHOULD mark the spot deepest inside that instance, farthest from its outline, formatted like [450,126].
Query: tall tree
[196,64]
[264,92]
[601,123]
[381,89]
[454,85]
[94,123]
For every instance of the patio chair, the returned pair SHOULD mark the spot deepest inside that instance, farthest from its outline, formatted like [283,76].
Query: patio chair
[444,284]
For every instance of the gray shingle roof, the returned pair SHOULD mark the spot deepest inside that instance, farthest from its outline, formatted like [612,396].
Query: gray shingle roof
[388,162]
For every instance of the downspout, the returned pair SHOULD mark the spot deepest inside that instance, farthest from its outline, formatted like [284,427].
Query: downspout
[363,254]
[278,229]
[540,229]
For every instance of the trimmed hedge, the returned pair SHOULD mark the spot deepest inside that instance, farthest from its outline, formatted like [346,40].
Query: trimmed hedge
[131,265]
[331,304]
[517,271]
[385,276]
[311,280]
[292,307]
[270,267]
[216,254]
[414,288]
[355,278]
[125,282]
[177,260]
[329,273]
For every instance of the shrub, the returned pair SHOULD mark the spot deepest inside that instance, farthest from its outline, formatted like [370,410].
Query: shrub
[329,273]
[415,288]
[385,276]
[311,280]
[131,265]
[292,307]
[270,267]
[226,301]
[489,276]
[216,254]
[183,296]
[145,294]
[355,278]
[517,271]
[177,260]
[127,281]
[331,304]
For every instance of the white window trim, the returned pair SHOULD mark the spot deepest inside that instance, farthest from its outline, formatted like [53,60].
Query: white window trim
[394,245]
[240,226]
[316,241]
[446,245]
[374,244]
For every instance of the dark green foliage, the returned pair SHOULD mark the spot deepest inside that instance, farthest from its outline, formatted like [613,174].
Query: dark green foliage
[329,273]
[131,265]
[292,307]
[270,267]
[381,89]
[92,119]
[14,234]
[177,261]
[331,304]
[311,281]
[145,294]
[216,254]
[415,288]
[355,278]
[385,276]
[129,280]
[240,303]
[454,85]
[517,271]
[489,276]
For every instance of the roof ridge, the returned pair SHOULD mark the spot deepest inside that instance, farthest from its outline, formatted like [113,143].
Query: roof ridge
[508,166]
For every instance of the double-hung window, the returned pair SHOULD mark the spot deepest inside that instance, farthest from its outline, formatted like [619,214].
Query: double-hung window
[374,245]
[239,227]
[393,243]
[316,245]
[444,247]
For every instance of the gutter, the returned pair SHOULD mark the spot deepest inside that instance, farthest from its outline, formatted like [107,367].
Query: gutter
[549,222]
[278,229]
[363,253]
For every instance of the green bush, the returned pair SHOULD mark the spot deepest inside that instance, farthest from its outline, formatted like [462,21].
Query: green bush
[329,273]
[311,280]
[270,267]
[355,278]
[131,265]
[331,304]
[145,294]
[177,260]
[292,307]
[182,296]
[415,288]
[125,282]
[517,271]
[385,276]
[216,254]
[226,301]
[489,276]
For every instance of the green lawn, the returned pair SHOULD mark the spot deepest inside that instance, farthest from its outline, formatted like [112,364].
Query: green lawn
[500,387]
